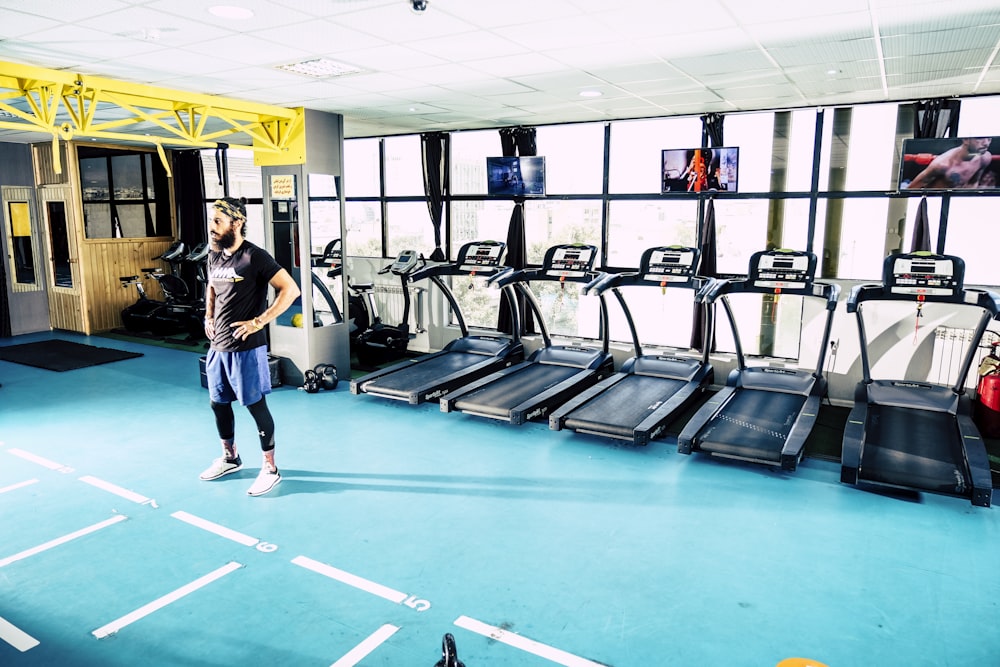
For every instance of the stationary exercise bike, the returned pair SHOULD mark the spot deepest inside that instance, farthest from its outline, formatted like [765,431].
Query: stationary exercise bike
[381,342]
[182,309]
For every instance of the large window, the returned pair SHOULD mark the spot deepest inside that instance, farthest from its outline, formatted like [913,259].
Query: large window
[361,168]
[636,148]
[635,225]
[574,158]
[835,194]
[125,193]
[469,151]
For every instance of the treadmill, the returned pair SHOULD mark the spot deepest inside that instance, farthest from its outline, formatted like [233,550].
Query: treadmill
[764,414]
[462,360]
[637,403]
[553,373]
[918,435]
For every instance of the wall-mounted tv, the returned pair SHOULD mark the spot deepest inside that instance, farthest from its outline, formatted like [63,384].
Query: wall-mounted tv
[950,164]
[515,176]
[700,169]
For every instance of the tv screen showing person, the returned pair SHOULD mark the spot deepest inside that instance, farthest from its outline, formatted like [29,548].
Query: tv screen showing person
[700,169]
[949,164]
[515,176]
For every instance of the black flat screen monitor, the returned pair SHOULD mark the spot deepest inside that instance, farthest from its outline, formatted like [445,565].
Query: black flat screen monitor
[515,176]
[700,169]
[950,164]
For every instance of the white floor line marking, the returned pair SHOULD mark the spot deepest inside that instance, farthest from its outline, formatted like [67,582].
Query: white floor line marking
[16,637]
[350,579]
[145,610]
[517,641]
[34,458]
[117,490]
[62,540]
[221,531]
[19,485]
[361,651]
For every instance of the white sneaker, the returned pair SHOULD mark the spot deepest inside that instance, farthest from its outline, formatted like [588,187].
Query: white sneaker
[221,466]
[266,480]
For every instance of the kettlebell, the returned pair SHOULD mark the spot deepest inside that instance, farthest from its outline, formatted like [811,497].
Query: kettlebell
[449,655]
[311,382]
[327,376]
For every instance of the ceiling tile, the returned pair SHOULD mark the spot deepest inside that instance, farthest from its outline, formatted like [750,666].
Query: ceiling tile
[722,63]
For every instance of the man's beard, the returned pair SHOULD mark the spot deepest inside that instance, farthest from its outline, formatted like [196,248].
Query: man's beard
[224,241]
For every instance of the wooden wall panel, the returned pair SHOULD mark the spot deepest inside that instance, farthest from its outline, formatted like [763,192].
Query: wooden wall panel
[64,311]
[104,262]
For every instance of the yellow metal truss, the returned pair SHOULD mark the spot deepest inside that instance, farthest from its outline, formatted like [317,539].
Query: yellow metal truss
[67,106]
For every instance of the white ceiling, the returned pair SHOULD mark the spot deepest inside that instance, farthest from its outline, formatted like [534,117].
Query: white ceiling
[466,64]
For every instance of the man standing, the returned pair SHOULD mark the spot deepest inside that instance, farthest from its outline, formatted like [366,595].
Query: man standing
[236,311]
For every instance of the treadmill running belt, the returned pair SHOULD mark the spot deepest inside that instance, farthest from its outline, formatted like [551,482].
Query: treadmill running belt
[753,424]
[420,373]
[914,449]
[618,410]
[500,397]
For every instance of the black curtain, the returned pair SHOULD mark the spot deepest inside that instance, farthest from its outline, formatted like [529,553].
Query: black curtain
[932,119]
[434,150]
[222,167]
[707,267]
[921,229]
[516,141]
[711,135]
[935,119]
[711,129]
[189,193]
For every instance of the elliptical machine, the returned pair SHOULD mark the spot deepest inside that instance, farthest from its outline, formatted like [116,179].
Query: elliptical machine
[332,259]
[381,342]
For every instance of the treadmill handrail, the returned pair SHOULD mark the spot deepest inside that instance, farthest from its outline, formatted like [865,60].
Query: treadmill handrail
[823,290]
[971,296]
[453,270]
[541,273]
[593,284]
[504,271]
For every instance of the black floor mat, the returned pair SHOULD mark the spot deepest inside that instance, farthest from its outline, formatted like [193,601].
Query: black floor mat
[62,355]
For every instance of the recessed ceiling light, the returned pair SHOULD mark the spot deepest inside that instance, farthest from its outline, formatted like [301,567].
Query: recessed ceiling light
[590,93]
[231,12]
[320,68]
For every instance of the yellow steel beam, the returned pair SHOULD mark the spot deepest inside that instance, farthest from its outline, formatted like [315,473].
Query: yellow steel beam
[67,105]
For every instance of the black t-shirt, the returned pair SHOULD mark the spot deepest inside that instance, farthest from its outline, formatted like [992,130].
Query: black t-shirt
[240,284]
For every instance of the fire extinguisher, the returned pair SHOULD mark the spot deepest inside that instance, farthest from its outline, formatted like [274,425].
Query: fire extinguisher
[988,406]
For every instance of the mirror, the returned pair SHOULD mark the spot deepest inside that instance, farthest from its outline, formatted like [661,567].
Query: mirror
[326,250]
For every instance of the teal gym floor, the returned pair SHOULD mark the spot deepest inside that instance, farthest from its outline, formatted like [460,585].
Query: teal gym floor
[396,524]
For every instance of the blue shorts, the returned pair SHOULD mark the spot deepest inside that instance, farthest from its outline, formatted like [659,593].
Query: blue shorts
[243,376]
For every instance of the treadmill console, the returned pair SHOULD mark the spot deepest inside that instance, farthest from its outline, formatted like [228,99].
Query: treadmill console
[569,261]
[405,262]
[777,269]
[477,255]
[673,264]
[923,274]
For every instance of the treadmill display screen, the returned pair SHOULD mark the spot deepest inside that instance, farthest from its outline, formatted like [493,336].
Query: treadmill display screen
[571,261]
[670,265]
[782,272]
[479,255]
[923,276]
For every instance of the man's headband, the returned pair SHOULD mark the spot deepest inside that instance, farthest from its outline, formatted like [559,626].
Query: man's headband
[234,211]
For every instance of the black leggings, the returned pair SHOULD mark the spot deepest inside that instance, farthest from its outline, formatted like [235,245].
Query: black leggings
[225,421]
